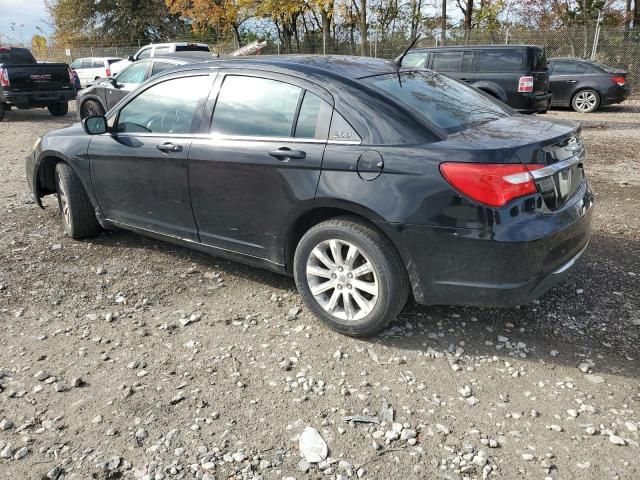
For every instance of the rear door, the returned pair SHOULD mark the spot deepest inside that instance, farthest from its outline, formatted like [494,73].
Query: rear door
[563,80]
[454,63]
[257,166]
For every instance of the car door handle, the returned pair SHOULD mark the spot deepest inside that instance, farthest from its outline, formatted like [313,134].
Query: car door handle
[169,147]
[285,153]
[465,79]
[572,81]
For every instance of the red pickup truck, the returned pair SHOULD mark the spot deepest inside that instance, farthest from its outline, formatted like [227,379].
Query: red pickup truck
[25,83]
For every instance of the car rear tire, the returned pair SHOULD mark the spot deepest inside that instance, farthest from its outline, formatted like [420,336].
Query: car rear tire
[58,109]
[78,216]
[350,276]
[585,101]
[91,108]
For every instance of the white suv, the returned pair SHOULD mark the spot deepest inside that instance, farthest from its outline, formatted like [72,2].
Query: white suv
[92,68]
[156,49]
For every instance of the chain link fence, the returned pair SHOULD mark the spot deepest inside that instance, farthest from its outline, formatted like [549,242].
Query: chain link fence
[616,47]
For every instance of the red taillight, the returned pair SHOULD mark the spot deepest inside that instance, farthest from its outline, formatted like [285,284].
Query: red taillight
[619,79]
[4,77]
[108,72]
[525,84]
[493,184]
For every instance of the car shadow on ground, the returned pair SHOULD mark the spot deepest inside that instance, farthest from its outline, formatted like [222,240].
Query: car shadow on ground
[594,314]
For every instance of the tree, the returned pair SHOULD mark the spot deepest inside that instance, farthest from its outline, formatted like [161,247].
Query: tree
[466,7]
[38,42]
[360,8]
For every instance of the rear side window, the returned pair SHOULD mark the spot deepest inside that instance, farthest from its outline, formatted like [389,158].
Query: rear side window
[113,60]
[135,73]
[564,68]
[97,63]
[168,107]
[539,62]
[439,100]
[501,60]
[252,106]
[86,63]
[447,61]
[313,118]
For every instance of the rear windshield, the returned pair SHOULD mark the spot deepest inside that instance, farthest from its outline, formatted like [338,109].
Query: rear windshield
[440,100]
[192,48]
[16,57]
[113,60]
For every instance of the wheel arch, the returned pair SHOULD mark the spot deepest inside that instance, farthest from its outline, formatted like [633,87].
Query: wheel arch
[492,89]
[321,213]
[86,98]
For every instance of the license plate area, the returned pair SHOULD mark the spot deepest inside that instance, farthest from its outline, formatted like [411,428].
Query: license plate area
[559,187]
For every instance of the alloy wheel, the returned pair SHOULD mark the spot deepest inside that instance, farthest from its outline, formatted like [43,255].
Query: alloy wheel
[585,101]
[342,279]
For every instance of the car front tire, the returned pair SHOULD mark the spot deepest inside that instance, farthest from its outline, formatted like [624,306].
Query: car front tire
[350,276]
[78,216]
[585,101]
[58,109]
[91,108]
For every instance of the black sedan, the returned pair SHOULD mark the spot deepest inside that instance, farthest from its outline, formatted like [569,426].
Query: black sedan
[104,93]
[584,85]
[364,181]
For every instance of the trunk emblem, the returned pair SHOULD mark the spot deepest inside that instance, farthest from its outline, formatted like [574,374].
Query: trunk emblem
[44,77]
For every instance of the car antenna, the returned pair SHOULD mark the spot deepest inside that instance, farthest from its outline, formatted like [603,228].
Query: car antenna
[398,61]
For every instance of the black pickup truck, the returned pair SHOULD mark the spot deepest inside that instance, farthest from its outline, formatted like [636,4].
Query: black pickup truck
[25,83]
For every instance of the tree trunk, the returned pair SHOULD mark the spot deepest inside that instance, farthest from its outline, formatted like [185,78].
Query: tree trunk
[363,27]
[326,30]
[636,14]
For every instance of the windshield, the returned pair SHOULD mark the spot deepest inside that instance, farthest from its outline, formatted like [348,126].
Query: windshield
[440,100]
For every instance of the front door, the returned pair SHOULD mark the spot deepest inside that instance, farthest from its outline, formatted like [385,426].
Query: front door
[139,171]
[258,167]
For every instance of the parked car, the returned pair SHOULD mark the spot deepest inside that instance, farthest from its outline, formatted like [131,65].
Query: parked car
[362,180]
[104,94]
[25,83]
[93,68]
[514,74]
[586,86]
[158,49]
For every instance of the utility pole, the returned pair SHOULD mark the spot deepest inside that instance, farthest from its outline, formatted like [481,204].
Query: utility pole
[596,37]
[443,23]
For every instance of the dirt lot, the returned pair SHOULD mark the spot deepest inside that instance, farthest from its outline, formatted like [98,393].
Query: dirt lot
[100,379]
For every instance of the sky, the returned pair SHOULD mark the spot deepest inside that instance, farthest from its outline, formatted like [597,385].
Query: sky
[30,13]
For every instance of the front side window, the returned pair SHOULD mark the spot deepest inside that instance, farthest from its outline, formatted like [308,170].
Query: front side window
[500,60]
[135,73]
[160,67]
[168,107]
[438,99]
[257,107]
[447,61]
[416,60]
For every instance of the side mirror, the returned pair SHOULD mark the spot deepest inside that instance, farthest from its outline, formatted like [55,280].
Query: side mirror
[95,125]
[131,59]
[114,81]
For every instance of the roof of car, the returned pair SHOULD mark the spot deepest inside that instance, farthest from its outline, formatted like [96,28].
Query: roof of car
[574,59]
[475,47]
[349,67]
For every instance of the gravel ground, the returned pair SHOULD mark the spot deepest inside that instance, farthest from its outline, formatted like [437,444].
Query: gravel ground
[124,357]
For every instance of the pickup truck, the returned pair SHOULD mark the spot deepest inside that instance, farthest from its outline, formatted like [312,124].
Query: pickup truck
[25,83]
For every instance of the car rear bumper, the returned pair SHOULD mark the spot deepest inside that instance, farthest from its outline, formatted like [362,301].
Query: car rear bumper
[531,102]
[503,266]
[38,99]
[616,94]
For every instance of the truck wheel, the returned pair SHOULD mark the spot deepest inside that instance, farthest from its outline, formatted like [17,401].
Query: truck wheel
[350,276]
[78,216]
[58,109]
[91,108]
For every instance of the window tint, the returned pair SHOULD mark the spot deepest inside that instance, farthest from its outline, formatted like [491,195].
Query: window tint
[501,60]
[146,53]
[313,118]
[86,63]
[564,68]
[414,60]
[134,73]
[160,67]
[97,63]
[467,62]
[113,60]
[16,56]
[192,48]
[539,59]
[447,61]
[168,107]
[252,106]
[440,100]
